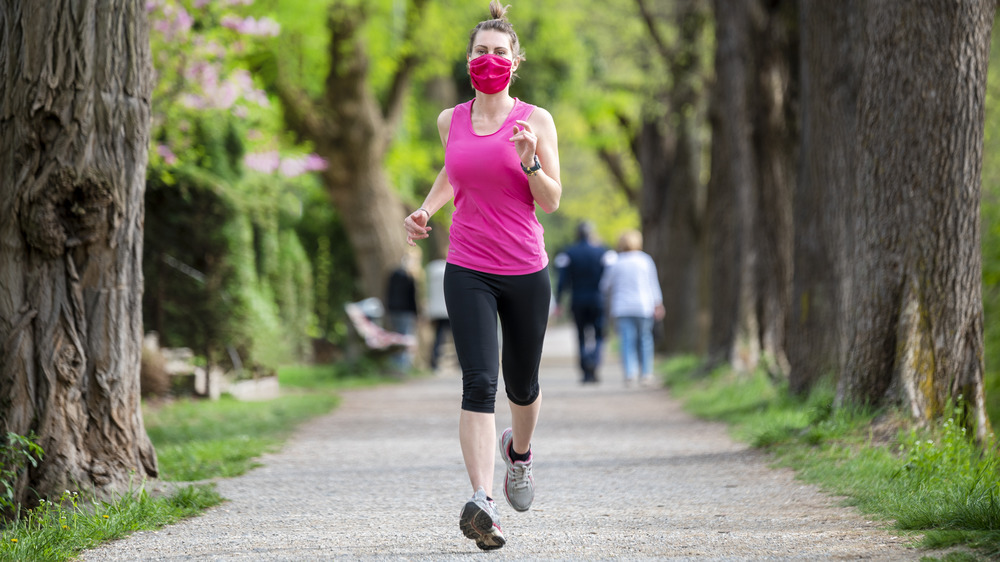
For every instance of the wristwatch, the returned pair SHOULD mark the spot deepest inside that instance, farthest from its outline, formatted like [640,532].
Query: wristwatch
[534,169]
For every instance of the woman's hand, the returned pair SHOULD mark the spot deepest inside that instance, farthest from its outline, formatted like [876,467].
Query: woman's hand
[416,226]
[659,312]
[526,142]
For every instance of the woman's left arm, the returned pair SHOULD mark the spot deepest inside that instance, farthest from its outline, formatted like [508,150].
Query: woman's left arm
[537,137]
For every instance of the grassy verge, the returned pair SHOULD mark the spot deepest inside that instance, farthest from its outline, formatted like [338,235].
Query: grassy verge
[197,440]
[936,484]
[61,530]
[194,440]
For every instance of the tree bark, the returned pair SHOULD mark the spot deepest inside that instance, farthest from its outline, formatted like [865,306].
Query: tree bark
[829,78]
[730,214]
[775,122]
[353,131]
[749,196]
[669,152]
[916,315]
[74,135]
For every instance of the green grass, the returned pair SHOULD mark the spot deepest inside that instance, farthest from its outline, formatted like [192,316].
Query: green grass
[936,485]
[194,440]
[61,530]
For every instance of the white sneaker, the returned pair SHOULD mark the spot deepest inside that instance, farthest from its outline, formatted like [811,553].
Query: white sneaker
[518,486]
[481,522]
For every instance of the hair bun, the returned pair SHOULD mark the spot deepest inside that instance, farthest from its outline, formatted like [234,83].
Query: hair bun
[498,11]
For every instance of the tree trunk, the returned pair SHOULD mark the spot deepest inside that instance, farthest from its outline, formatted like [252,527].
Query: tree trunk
[775,39]
[74,134]
[750,189]
[730,214]
[353,131]
[669,152]
[829,78]
[916,314]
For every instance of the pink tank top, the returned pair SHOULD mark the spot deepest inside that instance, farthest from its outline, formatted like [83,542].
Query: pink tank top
[494,228]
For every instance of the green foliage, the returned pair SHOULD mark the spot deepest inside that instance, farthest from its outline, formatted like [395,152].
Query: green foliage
[15,455]
[221,257]
[224,271]
[585,75]
[592,78]
[990,220]
[937,482]
[59,530]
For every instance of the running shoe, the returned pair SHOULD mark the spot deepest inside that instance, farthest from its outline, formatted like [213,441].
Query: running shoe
[481,522]
[518,486]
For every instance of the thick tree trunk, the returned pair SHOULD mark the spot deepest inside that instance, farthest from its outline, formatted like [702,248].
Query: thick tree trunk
[669,152]
[750,190]
[830,78]
[916,315]
[353,131]
[74,133]
[372,215]
[730,212]
[775,39]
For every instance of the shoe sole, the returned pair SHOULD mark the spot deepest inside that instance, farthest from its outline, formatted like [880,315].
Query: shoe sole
[503,445]
[477,525]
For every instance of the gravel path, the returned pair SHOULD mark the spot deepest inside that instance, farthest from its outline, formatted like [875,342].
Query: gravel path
[620,473]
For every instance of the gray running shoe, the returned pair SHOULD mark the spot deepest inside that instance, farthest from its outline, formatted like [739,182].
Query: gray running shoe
[481,522]
[518,486]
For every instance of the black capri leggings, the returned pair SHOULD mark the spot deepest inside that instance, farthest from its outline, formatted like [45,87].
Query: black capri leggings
[474,301]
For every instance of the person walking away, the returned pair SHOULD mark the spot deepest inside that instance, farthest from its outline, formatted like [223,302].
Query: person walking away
[401,306]
[632,290]
[501,159]
[580,268]
[437,310]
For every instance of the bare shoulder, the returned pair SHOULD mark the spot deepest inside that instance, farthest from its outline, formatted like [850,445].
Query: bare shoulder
[444,124]
[541,117]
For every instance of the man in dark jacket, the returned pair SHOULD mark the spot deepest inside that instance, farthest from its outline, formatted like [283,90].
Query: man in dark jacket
[580,268]
[401,305]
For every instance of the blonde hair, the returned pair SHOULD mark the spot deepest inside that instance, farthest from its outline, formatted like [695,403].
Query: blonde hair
[630,241]
[498,22]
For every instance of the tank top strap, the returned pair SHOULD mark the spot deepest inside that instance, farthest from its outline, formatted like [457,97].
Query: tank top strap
[461,116]
[521,111]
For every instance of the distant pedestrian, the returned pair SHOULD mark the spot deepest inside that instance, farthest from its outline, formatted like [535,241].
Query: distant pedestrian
[580,267]
[437,310]
[401,306]
[632,289]
[501,161]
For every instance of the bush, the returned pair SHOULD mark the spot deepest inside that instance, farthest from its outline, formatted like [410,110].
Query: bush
[15,454]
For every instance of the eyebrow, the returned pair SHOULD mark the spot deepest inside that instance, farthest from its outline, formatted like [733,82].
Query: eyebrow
[488,48]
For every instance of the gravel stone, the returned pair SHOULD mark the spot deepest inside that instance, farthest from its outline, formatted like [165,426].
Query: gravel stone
[620,473]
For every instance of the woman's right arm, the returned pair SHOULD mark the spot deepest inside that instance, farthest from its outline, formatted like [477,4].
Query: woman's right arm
[441,191]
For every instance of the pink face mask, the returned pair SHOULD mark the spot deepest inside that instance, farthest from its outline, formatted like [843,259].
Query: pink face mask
[490,73]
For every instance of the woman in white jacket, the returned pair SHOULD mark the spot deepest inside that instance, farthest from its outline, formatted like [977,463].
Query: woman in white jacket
[632,291]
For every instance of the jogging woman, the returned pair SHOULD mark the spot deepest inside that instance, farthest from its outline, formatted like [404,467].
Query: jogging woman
[501,159]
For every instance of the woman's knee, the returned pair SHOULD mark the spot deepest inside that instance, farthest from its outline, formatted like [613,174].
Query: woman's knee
[479,392]
[523,396]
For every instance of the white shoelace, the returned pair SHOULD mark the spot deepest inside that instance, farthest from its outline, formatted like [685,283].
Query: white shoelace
[520,474]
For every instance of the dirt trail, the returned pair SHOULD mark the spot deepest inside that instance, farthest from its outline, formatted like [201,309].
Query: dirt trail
[621,473]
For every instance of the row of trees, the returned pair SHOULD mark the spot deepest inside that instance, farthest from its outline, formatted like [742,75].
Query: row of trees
[806,174]
[842,212]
